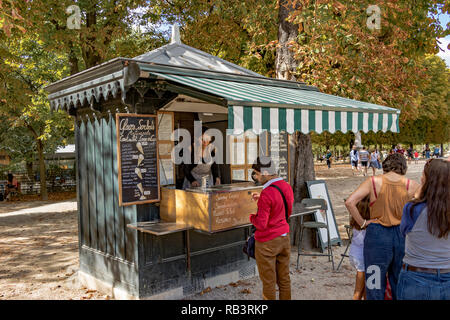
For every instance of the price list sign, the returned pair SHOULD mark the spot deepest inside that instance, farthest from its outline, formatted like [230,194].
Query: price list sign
[279,152]
[137,158]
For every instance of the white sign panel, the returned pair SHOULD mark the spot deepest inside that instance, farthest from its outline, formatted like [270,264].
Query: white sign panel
[318,190]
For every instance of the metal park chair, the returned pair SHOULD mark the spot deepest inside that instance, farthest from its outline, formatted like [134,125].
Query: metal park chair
[315,225]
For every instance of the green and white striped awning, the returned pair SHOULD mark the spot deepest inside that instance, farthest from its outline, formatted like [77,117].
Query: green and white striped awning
[243,118]
[276,105]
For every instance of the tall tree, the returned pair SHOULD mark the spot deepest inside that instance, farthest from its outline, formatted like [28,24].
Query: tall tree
[39,45]
[91,32]
[234,30]
[432,124]
[340,54]
[286,64]
[26,109]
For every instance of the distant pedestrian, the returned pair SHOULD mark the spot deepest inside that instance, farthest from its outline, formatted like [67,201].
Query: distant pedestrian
[383,243]
[328,157]
[375,160]
[416,157]
[426,225]
[427,151]
[436,152]
[409,152]
[11,186]
[364,158]
[400,149]
[354,159]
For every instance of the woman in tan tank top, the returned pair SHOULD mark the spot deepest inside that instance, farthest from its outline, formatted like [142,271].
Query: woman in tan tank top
[383,243]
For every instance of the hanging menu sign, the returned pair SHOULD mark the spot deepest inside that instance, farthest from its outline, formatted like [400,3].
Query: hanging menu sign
[137,158]
[279,152]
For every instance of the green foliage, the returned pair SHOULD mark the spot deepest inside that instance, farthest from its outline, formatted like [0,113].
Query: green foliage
[25,110]
[38,48]
[340,55]
[234,30]
[432,124]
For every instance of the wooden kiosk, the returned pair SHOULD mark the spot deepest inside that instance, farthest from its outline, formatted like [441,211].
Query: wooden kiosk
[139,235]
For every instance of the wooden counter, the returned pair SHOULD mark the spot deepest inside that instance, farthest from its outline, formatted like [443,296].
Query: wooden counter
[212,209]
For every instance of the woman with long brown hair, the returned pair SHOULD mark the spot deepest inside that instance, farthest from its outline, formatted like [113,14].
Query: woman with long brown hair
[384,245]
[425,222]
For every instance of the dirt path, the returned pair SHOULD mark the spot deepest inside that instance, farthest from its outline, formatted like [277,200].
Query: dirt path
[39,251]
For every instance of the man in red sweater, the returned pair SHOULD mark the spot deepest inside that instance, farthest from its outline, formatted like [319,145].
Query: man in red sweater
[272,243]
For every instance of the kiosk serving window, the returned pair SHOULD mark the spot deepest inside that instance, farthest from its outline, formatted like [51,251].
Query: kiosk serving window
[243,153]
[245,148]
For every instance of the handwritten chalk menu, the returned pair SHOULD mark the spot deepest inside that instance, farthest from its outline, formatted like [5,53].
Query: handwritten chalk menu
[279,152]
[137,158]
[231,209]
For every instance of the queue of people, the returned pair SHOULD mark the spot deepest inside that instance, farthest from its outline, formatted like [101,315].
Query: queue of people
[405,243]
[400,240]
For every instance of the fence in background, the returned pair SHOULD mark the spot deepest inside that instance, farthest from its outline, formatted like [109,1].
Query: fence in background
[57,181]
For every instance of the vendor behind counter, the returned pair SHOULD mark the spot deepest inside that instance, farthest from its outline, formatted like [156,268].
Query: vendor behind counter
[204,165]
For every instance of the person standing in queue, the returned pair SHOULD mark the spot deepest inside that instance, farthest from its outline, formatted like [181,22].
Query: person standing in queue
[426,225]
[384,245]
[272,243]
[194,172]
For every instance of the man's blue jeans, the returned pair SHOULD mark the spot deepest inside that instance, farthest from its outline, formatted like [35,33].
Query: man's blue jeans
[384,248]
[423,286]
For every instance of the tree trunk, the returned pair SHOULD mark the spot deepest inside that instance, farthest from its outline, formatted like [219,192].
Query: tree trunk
[42,173]
[285,68]
[285,63]
[73,60]
[304,165]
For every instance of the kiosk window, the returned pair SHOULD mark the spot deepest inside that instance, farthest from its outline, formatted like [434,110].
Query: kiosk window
[243,153]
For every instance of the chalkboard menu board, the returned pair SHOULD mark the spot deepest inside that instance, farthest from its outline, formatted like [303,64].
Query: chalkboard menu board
[137,158]
[279,152]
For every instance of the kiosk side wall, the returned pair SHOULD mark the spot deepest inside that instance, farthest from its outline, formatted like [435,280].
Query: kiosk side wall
[215,259]
[108,249]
